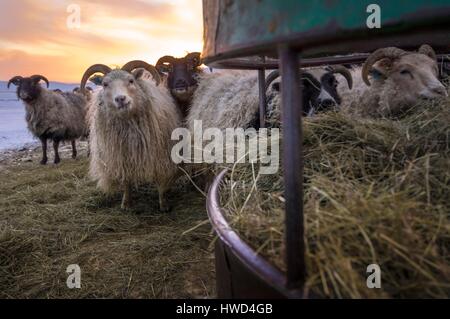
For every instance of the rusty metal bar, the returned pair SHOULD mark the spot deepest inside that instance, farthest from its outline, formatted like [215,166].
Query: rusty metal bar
[251,260]
[293,166]
[248,64]
[262,97]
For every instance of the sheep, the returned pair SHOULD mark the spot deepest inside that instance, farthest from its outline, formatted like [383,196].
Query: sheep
[181,77]
[319,91]
[444,70]
[87,93]
[225,99]
[130,131]
[51,115]
[230,99]
[399,79]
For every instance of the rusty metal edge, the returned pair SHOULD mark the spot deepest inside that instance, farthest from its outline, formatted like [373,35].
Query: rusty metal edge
[359,58]
[247,255]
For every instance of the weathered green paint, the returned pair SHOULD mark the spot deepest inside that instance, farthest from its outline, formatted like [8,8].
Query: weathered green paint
[265,21]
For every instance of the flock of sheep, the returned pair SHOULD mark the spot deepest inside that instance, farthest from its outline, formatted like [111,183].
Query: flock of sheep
[130,119]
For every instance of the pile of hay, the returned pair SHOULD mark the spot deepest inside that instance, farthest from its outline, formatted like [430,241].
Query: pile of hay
[53,216]
[376,192]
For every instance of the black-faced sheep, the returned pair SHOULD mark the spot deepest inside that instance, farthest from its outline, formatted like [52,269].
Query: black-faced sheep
[130,132]
[319,91]
[51,115]
[228,99]
[181,75]
[399,80]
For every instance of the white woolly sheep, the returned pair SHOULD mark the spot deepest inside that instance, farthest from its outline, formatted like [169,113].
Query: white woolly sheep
[225,99]
[130,131]
[58,116]
[399,79]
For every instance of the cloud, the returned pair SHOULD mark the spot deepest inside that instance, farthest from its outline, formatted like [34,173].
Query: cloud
[34,37]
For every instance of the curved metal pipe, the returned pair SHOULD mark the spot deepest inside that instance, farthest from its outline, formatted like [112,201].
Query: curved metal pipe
[247,255]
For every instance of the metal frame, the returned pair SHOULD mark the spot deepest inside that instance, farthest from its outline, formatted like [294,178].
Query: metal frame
[272,64]
[293,165]
[230,245]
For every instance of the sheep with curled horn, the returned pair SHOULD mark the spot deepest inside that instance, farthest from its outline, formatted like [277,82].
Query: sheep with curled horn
[319,91]
[130,131]
[393,80]
[228,99]
[51,115]
[181,77]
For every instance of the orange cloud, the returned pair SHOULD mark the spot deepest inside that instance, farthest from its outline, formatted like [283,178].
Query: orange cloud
[34,37]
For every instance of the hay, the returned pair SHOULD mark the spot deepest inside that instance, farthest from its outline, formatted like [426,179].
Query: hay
[51,217]
[376,191]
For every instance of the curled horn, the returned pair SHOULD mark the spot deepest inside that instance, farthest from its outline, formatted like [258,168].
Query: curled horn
[194,56]
[39,77]
[428,51]
[270,78]
[344,72]
[14,80]
[165,59]
[391,53]
[132,65]
[96,68]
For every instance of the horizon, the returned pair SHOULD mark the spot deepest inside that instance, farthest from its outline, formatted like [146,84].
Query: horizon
[57,42]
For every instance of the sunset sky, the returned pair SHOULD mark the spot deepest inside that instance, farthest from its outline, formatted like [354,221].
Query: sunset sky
[35,37]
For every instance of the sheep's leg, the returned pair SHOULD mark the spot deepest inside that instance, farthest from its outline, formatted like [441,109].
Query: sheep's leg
[44,151]
[88,149]
[126,199]
[55,148]
[74,149]
[163,204]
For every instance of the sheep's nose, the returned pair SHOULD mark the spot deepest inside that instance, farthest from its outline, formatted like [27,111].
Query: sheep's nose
[440,90]
[327,102]
[120,99]
[181,84]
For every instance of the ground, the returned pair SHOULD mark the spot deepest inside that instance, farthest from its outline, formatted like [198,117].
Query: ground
[53,216]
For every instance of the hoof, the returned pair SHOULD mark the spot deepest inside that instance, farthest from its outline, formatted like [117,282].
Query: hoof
[164,209]
[56,161]
[74,156]
[43,161]
[125,206]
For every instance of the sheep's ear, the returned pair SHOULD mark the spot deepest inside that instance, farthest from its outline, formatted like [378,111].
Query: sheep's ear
[380,71]
[383,67]
[138,73]
[276,86]
[163,68]
[377,75]
[97,79]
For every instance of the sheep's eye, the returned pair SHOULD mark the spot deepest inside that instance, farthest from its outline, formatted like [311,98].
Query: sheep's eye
[405,72]
[131,81]
[105,85]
